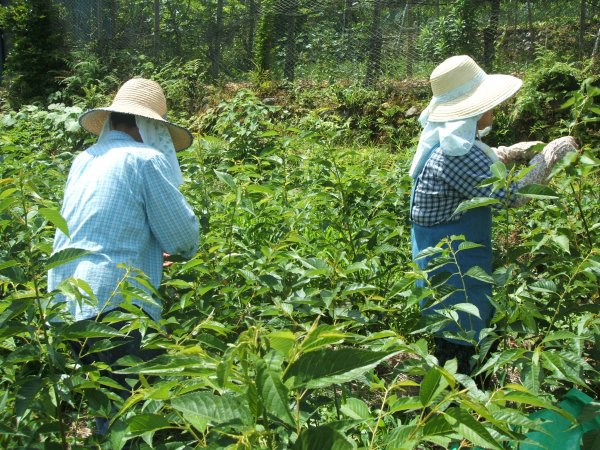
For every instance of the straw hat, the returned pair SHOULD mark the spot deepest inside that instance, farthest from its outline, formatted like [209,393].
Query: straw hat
[140,97]
[462,89]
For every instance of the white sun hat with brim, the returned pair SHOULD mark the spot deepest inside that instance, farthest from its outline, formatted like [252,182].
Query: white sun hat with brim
[140,97]
[461,89]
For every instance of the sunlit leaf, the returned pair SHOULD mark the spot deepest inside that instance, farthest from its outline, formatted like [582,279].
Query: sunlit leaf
[323,437]
[220,410]
[476,202]
[54,216]
[64,256]
[325,367]
[539,191]
[470,429]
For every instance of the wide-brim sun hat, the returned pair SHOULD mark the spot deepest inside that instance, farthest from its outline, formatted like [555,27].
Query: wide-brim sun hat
[461,89]
[140,97]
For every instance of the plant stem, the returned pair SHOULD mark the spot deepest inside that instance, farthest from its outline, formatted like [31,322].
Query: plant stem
[36,287]
[583,219]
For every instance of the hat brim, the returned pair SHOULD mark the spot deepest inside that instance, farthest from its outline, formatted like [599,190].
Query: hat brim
[94,119]
[494,90]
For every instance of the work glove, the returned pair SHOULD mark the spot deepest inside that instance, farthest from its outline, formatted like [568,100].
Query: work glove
[519,153]
[544,161]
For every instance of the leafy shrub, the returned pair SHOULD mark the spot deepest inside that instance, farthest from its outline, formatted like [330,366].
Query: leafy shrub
[243,123]
[48,131]
[182,82]
[89,83]
[547,85]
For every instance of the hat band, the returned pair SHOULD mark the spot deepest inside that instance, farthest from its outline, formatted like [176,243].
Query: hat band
[460,90]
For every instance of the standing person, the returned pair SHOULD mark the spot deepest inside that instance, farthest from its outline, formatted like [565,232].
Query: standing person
[449,165]
[122,204]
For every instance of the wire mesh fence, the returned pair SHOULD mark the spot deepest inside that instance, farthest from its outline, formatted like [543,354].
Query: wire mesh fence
[355,40]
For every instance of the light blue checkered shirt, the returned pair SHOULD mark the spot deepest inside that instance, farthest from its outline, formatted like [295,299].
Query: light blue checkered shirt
[119,205]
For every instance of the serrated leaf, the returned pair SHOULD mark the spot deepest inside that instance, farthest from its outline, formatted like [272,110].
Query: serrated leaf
[560,335]
[142,423]
[324,367]
[543,286]
[220,410]
[146,425]
[323,437]
[534,400]
[54,216]
[468,308]
[468,245]
[406,404]
[64,256]
[429,251]
[469,428]
[174,365]
[27,393]
[562,241]
[399,438]
[85,329]
[479,274]
[438,425]
[476,202]
[273,392]
[431,386]
[227,179]
[538,191]
[282,341]
[355,409]
[498,170]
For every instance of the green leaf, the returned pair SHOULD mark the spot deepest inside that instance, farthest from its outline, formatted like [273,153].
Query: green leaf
[220,410]
[322,336]
[543,286]
[468,245]
[84,329]
[429,251]
[143,423]
[324,367]
[468,308]
[356,409]
[27,393]
[400,438]
[323,437]
[499,170]
[146,425]
[476,202]
[282,341]
[54,216]
[406,404]
[560,335]
[438,425]
[173,365]
[64,256]
[227,179]
[562,242]
[431,386]
[539,191]
[479,274]
[470,429]
[273,392]
[527,398]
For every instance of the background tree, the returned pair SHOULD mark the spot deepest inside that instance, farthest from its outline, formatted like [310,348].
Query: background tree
[374,61]
[215,40]
[35,61]
[490,34]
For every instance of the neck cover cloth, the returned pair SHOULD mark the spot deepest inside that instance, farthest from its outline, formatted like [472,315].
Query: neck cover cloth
[157,136]
[456,138]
